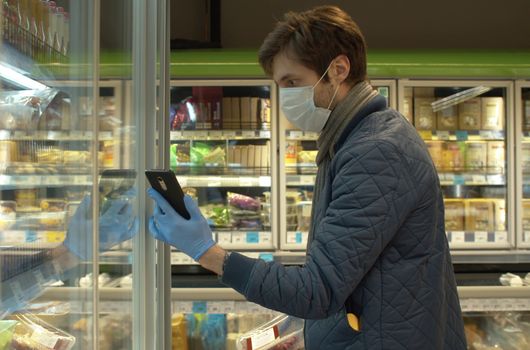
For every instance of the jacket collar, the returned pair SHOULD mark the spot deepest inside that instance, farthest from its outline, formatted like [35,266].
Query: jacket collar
[377,104]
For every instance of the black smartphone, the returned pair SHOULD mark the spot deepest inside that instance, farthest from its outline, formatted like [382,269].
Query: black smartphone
[165,182]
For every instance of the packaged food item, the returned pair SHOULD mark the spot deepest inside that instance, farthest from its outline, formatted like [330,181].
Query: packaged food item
[7,327]
[76,157]
[53,213]
[15,117]
[8,152]
[453,156]
[469,114]
[8,214]
[203,153]
[282,332]
[307,161]
[304,216]
[492,113]
[435,150]
[407,108]
[179,332]
[424,116]
[526,214]
[50,155]
[218,216]
[115,332]
[479,215]
[476,155]
[447,119]
[500,214]
[244,211]
[291,155]
[33,333]
[454,214]
[496,158]
[26,197]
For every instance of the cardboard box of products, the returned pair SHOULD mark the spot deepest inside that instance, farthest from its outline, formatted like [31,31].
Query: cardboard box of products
[492,113]
[496,156]
[476,155]
[447,119]
[454,214]
[424,116]
[469,114]
[479,215]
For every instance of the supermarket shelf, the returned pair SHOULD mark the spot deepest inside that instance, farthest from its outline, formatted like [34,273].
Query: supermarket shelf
[463,135]
[28,238]
[12,181]
[472,179]
[219,135]
[491,257]
[178,258]
[227,300]
[224,181]
[297,238]
[10,135]
[17,291]
[301,180]
[244,240]
[301,135]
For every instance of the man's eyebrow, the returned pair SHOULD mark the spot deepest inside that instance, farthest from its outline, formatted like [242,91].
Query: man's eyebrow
[286,77]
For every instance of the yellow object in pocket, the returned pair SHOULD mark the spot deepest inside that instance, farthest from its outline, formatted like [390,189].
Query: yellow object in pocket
[353,321]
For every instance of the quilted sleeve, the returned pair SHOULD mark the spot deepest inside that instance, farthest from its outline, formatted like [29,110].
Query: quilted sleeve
[371,196]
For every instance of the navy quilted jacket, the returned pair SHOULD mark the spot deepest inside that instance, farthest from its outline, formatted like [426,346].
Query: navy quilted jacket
[379,248]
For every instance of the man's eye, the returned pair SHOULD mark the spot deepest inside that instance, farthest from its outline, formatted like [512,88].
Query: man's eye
[291,83]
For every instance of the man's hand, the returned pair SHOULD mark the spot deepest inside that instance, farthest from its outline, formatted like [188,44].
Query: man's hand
[193,236]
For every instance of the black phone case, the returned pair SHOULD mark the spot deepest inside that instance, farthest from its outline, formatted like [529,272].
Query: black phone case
[172,193]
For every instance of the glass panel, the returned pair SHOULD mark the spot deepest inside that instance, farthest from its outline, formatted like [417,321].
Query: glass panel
[300,168]
[525,162]
[221,152]
[467,142]
[47,164]
[497,330]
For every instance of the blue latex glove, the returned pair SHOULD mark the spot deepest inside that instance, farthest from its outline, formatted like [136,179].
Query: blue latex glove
[117,224]
[192,236]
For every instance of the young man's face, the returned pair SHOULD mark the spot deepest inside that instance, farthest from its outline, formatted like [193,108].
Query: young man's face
[288,72]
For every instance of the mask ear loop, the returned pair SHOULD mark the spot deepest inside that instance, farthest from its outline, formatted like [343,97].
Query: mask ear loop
[335,94]
[323,75]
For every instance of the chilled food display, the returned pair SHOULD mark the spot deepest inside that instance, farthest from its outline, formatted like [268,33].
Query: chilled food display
[31,333]
[507,331]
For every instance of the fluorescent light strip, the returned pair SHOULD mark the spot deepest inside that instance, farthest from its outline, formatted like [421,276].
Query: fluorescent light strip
[19,79]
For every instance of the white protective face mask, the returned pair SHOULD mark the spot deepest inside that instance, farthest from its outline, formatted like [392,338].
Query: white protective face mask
[298,105]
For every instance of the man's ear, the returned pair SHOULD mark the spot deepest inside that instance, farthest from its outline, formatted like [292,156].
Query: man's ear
[340,69]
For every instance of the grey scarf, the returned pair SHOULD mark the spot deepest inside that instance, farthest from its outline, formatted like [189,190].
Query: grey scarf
[340,117]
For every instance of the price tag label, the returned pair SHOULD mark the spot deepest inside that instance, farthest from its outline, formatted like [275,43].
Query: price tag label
[295,134]
[238,237]
[307,180]
[224,237]
[291,237]
[486,135]
[55,236]
[526,237]
[263,338]
[213,181]
[183,307]
[501,237]
[461,135]
[44,338]
[226,307]
[266,257]
[443,135]
[457,237]
[246,182]
[298,237]
[479,179]
[5,135]
[265,237]
[425,134]
[252,237]
[481,237]
[199,307]
[229,134]
[266,134]
[264,181]
[459,180]
[200,134]
[214,307]
[248,133]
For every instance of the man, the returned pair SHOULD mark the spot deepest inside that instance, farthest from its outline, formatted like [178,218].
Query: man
[378,272]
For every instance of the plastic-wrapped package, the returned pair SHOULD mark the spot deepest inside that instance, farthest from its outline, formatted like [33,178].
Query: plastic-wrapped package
[218,216]
[213,331]
[281,333]
[202,153]
[32,109]
[179,332]
[243,202]
[31,333]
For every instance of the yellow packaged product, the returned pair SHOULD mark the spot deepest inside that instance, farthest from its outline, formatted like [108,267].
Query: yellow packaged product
[435,150]
[179,332]
[479,215]
[492,113]
[500,214]
[469,114]
[453,156]
[496,156]
[454,214]
[447,119]
[291,156]
[424,116]
[26,197]
[8,152]
[526,214]
[53,213]
[476,155]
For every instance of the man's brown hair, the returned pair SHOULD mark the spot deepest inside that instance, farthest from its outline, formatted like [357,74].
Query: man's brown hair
[314,38]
